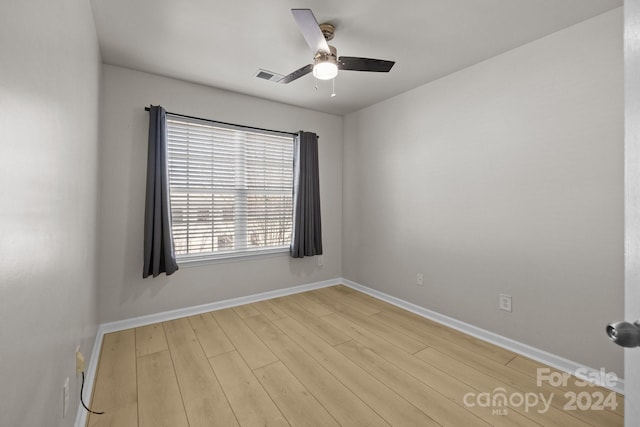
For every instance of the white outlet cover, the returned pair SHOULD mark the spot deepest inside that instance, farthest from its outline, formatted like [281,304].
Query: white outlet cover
[505,302]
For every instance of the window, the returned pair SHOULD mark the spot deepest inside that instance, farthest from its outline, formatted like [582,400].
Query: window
[230,189]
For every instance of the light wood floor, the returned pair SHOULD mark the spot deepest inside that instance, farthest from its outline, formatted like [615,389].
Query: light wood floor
[328,357]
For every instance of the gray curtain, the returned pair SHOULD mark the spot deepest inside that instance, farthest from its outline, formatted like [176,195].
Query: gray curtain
[307,229]
[159,254]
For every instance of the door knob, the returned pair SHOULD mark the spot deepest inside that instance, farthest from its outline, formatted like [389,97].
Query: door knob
[624,334]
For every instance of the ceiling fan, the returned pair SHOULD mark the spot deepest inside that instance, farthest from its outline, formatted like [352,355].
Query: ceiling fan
[326,62]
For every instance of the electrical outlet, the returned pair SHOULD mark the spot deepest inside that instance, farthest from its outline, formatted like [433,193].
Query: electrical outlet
[419,279]
[505,302]
[65,398]
[320,261]
[79,362]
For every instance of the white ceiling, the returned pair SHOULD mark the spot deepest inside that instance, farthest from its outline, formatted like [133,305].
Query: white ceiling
[223,43]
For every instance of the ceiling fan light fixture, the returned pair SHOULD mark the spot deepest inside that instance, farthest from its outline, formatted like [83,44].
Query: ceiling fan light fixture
[326,62]
[325,70]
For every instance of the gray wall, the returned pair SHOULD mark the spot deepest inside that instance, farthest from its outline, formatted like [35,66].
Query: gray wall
[49,89]
[123,292]
[506,177]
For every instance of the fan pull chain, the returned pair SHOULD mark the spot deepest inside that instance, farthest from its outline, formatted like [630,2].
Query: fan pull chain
[333,93]
[316,86]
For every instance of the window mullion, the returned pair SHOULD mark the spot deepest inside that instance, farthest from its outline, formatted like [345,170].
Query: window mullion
[241,192]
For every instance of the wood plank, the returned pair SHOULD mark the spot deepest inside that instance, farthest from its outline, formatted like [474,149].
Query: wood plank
[211,336]
[378,303]
[352,299]
[150,339]
[324,379]
[428,400]
[115,391]
[343,404]
[251,404]
[338,305]
[253,351]
[350,295]
[159,400]
[408,343]
[441,337]
[294,400]
[494,369]
[486,383]
[202,395]
[345,289]
[325,331]
[394,409]
[310,305]
[245,310]
[268,310]
[530,368]
[525,383]
[450,387]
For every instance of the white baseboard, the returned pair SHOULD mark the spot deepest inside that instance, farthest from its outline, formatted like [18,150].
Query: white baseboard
[541,356]
[120,325]
[136,322]
[560,363]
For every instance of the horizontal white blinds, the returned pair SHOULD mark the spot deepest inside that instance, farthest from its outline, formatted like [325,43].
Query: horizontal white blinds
[230,188]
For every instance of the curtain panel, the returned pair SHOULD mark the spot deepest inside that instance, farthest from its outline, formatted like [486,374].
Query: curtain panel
[159,253]
[306,239]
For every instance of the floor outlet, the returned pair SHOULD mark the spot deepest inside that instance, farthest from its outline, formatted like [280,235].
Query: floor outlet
[419,279]
[65,398]
[505,302]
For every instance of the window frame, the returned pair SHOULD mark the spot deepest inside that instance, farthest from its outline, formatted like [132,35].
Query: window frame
[244,252]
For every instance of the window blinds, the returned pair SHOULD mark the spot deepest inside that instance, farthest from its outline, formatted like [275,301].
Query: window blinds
[230,188]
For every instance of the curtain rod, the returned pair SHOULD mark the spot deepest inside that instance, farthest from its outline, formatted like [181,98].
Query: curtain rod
[228,124]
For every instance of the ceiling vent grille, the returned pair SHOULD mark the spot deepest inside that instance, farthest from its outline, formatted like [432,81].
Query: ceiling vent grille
[269,75]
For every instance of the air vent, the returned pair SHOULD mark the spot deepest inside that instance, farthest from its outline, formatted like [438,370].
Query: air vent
[269,75]
[264,75]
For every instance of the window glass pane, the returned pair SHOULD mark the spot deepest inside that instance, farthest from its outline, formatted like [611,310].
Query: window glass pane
[230,188]
[269,220]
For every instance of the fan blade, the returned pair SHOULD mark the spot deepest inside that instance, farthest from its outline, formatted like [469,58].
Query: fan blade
[310,29]
[296,74]
[364,64]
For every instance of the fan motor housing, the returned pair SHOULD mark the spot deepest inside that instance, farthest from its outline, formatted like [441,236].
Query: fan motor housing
[322,56]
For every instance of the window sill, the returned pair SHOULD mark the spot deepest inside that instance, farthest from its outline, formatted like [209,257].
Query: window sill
[188,261]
